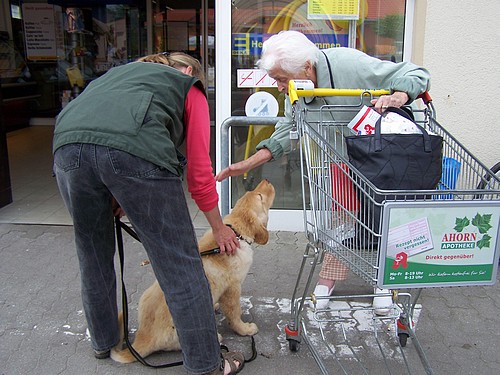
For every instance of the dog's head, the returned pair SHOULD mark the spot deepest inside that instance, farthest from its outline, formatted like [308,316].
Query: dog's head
[250,214]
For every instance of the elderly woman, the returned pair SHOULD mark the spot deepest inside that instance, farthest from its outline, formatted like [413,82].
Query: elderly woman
[291,55]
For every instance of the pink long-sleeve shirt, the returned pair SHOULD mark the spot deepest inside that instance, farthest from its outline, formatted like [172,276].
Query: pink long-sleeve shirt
[200,177]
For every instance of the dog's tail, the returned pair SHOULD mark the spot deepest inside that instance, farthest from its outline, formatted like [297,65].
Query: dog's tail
[117,353]
[122,356]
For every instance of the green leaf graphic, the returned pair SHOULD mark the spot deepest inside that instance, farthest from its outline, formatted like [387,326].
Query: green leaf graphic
[484,242]
[482,222]
[460,224]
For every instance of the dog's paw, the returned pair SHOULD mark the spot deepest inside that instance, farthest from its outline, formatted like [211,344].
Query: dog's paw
[249,329]
[219,336]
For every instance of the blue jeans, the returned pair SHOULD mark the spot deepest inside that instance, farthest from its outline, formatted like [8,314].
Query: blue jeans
[88,177]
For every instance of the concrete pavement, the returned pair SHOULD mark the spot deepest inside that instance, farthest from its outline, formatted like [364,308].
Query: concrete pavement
[43,330]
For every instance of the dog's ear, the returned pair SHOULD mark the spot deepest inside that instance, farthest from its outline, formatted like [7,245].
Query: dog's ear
[261,235]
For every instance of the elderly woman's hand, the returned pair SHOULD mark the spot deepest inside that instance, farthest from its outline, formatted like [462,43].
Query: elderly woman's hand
[397,99]
[260,157]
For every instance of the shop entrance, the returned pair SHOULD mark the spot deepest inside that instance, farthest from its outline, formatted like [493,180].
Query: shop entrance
[377,27]
[102,34]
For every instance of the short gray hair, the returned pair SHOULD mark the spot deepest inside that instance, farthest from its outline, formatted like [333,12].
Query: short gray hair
[288,50]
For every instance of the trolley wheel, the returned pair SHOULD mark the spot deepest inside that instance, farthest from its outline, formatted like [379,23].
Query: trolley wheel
[292,335]
[293,345]
[403,338]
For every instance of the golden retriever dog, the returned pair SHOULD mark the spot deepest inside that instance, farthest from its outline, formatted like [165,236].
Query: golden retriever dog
[225,274]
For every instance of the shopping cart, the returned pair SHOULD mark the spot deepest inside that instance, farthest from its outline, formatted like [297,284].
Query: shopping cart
[418,239]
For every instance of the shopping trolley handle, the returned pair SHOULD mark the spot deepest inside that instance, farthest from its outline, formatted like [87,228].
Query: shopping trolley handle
[425,96]
[303,88]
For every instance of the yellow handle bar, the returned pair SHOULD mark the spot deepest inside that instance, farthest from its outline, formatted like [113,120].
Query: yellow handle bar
[302,88]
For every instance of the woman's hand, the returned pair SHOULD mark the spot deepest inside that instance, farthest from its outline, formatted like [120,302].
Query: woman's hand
[223,235]
[237,169]
[397,99]
[117,210]
[226,239]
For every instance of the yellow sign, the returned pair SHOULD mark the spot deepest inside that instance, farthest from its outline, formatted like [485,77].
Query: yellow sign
[334,10]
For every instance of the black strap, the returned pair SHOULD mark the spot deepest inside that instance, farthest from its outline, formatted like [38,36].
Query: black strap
[119,225]
[254,351]
[329,70]
[405,114]
[134,235]
[119,239]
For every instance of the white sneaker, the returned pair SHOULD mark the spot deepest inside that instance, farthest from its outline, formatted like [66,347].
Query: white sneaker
[382,304]
[321,291]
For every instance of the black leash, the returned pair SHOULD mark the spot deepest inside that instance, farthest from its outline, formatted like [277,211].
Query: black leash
[119,240]
[119,225]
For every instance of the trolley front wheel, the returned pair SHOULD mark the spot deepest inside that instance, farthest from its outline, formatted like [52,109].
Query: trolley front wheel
[403,338]
[292,335]
[402,330]
[293,345]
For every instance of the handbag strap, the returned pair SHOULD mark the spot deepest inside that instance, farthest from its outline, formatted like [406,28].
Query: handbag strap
[405,114]
[329,70]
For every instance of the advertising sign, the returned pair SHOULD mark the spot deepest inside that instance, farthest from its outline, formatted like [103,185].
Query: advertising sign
[426,244]
[41,30]
[250,44]
[337,10]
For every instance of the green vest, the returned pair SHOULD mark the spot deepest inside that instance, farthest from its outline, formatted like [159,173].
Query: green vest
[137,108]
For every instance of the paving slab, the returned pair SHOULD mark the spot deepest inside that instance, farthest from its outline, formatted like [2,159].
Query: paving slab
[43,329]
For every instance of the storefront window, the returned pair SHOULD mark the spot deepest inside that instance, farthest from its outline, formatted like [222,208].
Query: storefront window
[379,31]
[68,44]
[188,27]
[67,47]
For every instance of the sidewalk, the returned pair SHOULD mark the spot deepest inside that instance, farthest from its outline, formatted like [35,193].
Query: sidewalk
[43,330]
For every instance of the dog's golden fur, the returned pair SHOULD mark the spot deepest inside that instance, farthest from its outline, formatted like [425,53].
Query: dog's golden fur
[225,274]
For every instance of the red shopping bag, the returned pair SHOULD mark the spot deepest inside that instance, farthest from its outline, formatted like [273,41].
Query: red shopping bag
[343,193]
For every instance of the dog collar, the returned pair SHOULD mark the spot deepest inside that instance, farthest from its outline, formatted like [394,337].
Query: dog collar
[239,236]
[217,250]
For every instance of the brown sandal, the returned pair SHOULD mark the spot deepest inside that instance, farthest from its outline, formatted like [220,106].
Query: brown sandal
[231,358]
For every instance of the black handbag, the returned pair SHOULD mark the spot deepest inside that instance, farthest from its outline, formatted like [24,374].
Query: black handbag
[393,162]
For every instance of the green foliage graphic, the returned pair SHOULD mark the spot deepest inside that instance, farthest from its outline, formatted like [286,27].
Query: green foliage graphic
[460,224]
[481,222]
[484,242]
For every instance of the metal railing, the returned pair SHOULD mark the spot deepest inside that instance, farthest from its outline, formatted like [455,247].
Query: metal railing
[235,121]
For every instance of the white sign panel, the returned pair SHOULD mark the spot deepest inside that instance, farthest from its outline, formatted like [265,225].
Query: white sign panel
[254,78]
[261,104]
[439,243]
[40,31]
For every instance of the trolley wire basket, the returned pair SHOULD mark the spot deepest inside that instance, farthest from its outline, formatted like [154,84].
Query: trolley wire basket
[345,215]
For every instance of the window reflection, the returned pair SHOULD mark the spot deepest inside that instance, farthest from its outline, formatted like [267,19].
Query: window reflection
[379,32]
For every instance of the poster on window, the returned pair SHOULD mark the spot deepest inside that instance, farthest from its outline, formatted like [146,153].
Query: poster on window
[42,30]
[428,244]
[336,10]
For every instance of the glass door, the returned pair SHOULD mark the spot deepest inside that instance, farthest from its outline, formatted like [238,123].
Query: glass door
[378,31]
[188,26]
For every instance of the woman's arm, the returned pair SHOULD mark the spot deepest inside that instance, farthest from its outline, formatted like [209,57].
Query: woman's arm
[200,178]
